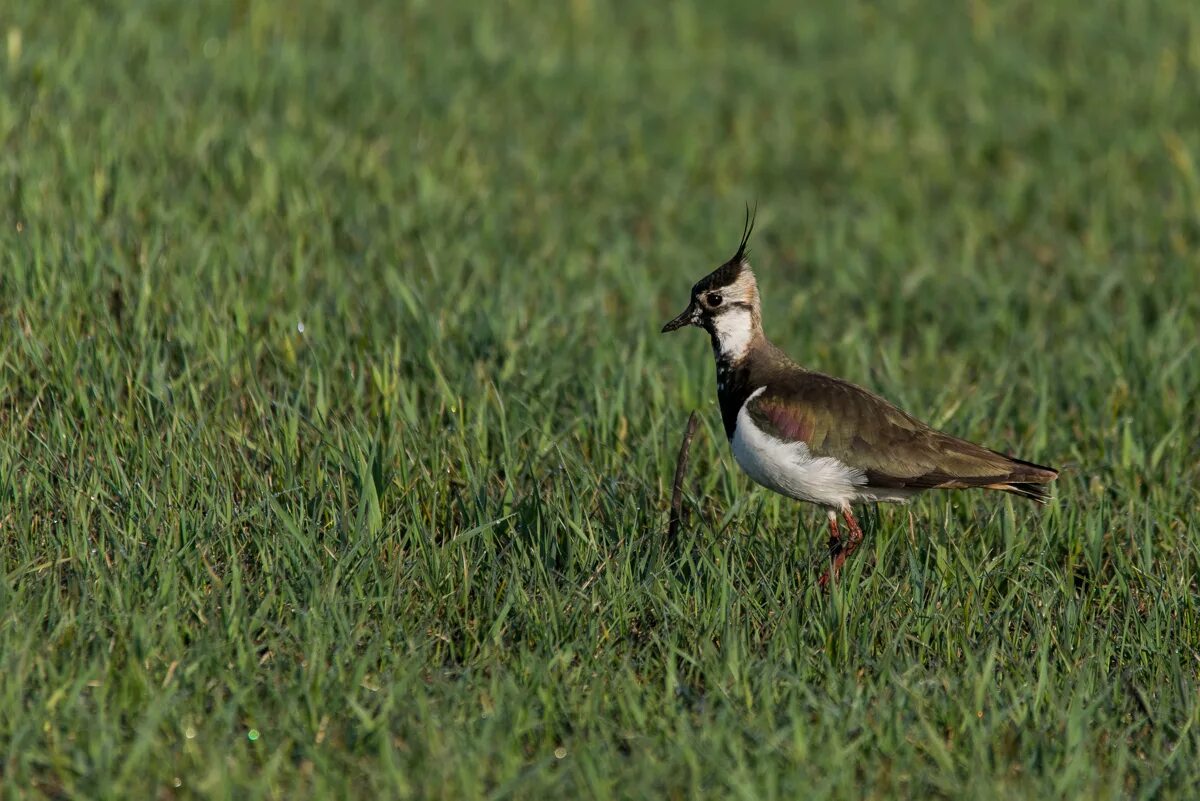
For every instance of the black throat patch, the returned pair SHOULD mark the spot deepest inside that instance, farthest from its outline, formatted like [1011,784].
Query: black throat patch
[733,387]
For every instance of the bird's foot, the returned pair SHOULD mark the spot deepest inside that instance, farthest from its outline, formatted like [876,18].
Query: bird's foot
[840,549]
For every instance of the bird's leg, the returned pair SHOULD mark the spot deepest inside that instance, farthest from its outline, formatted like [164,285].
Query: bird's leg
[840,549]
[835,534]
[856,535]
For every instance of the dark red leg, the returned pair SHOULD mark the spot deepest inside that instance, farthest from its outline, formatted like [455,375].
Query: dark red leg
[840,549]
[856,535]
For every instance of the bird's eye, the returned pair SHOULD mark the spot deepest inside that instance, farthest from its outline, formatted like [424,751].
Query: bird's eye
[714,299]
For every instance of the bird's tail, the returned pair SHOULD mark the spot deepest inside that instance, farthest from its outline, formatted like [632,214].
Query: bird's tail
[1027,480]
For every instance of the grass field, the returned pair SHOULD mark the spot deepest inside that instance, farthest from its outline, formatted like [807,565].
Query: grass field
[336,431]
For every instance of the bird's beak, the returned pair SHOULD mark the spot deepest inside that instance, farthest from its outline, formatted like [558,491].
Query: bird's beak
[690,316]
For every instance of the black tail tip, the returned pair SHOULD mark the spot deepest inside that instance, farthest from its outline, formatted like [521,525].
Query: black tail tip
[1038,493]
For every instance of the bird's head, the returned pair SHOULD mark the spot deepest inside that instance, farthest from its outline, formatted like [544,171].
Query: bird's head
[725,303]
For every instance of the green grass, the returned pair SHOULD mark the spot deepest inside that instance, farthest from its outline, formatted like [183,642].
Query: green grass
[416,548]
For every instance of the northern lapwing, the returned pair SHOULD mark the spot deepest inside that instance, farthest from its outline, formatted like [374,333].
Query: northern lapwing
[820,439]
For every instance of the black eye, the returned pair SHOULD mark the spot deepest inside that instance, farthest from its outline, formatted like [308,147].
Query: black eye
[714,299]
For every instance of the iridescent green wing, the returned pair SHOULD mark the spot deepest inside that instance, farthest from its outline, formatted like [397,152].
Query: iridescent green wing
[893,449]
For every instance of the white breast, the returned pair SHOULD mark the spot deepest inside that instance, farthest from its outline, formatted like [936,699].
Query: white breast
[789,468]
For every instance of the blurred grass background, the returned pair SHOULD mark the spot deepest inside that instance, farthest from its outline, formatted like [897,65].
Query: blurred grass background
[336,430]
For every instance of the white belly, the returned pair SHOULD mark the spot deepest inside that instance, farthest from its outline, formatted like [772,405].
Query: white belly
[789,468]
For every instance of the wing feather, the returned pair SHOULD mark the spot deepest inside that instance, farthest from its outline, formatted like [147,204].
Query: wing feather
[892,448]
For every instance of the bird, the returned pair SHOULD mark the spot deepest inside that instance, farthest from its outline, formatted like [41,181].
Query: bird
[816,438]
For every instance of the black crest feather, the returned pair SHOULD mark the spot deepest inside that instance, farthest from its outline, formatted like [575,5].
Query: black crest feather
[747,229]
[728,272]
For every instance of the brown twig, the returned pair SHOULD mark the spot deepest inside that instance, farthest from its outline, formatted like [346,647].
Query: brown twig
[685,449]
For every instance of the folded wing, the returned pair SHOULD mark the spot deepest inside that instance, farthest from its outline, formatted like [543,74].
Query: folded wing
[895,450]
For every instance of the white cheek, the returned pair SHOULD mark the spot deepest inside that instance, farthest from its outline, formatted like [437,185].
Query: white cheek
[734,331]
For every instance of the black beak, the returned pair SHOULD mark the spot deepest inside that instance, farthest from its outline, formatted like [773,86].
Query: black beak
[689,317]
